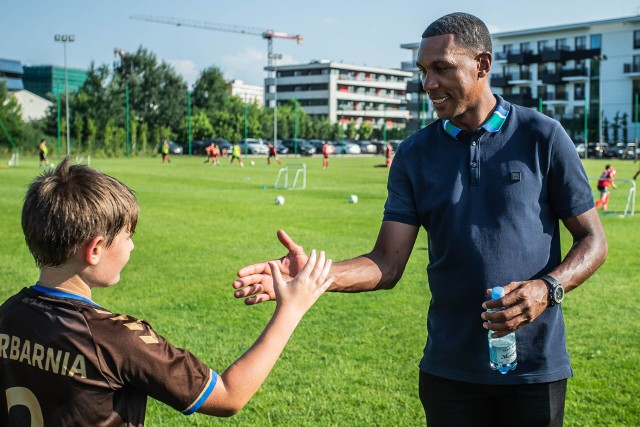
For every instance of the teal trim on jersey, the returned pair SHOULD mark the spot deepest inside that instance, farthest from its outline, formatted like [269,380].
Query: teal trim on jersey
[493,124]
[62,294]
[213,380]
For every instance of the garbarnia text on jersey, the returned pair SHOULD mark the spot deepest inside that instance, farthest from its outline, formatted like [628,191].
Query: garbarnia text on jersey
[39,356]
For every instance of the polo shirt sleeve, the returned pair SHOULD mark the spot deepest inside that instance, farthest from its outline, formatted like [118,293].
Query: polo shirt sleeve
[569,191]
[400,205]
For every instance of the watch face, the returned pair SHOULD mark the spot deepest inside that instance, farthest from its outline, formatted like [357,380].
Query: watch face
[558,294]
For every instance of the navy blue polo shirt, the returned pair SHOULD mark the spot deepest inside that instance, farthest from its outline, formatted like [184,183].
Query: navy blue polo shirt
[490,201]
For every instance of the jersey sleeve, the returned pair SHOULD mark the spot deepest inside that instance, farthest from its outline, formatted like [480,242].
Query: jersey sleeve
[133,354]
[569,190]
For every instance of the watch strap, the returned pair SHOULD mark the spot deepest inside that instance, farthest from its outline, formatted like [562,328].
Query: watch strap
[552,285]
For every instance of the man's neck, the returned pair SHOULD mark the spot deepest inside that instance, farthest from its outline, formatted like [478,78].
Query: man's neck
[474,118]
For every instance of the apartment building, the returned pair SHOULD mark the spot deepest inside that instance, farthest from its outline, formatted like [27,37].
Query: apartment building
[250,94]
[586,75]
[342,92]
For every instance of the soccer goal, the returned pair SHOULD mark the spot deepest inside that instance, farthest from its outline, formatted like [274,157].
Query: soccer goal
[299,170]
[622,201]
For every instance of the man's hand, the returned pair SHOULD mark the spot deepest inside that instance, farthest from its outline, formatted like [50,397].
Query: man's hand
[525,301]
[255,282]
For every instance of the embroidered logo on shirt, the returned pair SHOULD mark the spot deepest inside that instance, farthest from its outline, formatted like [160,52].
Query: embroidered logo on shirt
[515,176]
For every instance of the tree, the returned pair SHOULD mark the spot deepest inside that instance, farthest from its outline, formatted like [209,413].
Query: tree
[365,131]
[211,91]
[200,128]
[351,131]
[624,124]
[11,126]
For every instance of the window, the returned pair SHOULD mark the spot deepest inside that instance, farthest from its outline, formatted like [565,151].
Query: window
[525,47]
[581,43]
[636,39]
[543,45]
[507,48]
[578,91]
[561,44]
[596,41]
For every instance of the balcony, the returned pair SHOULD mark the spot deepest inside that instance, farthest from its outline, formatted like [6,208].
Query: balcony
[551,77]
[520,78]
[521,99]
[500,56]
[526,57]
[555,98]
[414,86]
[632,70]
[579,54]
[575,73]
[559,54]
[500,81]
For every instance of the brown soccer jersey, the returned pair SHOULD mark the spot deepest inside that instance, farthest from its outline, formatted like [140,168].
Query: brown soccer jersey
[64,360]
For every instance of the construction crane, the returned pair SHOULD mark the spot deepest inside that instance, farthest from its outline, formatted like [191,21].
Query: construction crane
[269,35]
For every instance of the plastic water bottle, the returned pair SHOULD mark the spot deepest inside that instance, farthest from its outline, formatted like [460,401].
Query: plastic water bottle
[502,351]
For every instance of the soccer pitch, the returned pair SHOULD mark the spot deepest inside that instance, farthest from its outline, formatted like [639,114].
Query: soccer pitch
[353,361]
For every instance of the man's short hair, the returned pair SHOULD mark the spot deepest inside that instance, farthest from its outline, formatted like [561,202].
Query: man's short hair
[468,31]
[71,205]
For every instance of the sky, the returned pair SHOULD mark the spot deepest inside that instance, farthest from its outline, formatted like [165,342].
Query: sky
[361,32]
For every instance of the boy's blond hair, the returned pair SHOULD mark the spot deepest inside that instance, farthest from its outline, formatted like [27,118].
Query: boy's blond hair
[70,205]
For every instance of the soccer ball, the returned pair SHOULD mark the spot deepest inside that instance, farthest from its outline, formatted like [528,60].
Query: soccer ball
[279,200]
[353,198]
[253,163]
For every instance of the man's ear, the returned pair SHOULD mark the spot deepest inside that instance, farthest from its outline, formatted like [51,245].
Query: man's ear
[484,64]
[93,250]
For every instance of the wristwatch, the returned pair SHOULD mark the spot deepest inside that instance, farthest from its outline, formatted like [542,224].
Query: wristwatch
[556,291]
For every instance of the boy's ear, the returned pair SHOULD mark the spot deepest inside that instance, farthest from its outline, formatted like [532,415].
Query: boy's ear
[93,250]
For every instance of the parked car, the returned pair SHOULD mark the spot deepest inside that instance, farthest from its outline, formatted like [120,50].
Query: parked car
[318,144]
[594,149]
[300,145]
[367,147]
[199,147]
[347,147]
[380,146]
[253,146]
[615,151]
[174,148]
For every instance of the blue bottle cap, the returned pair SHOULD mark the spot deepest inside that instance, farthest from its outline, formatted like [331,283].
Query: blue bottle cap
[497,292]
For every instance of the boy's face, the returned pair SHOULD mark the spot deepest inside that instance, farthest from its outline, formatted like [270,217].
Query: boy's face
[114,258]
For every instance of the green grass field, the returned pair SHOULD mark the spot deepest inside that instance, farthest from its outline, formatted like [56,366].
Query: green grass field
[353,360]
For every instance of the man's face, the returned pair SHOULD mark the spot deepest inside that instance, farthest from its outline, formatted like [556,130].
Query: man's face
[450,76]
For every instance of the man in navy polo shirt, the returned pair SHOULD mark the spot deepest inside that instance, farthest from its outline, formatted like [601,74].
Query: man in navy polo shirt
[490,183]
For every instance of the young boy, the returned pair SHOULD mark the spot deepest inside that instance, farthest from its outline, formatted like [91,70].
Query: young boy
[65,360]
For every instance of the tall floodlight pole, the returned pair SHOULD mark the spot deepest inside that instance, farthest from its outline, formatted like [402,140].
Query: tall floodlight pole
[64,39]
[274,57]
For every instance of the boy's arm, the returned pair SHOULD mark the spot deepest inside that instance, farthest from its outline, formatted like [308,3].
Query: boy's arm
[243,378]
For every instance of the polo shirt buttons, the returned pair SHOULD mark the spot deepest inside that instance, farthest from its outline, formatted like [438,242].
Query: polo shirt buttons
[474,164]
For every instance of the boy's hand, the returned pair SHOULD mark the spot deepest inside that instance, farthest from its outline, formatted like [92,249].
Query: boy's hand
[255,282]
[305,289]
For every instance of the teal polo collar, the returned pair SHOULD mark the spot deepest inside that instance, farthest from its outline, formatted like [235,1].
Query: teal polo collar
[493,123]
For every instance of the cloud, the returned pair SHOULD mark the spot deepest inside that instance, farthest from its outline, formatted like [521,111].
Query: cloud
[187,68]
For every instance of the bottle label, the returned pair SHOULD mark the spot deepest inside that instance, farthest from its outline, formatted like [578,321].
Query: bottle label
[503,355]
